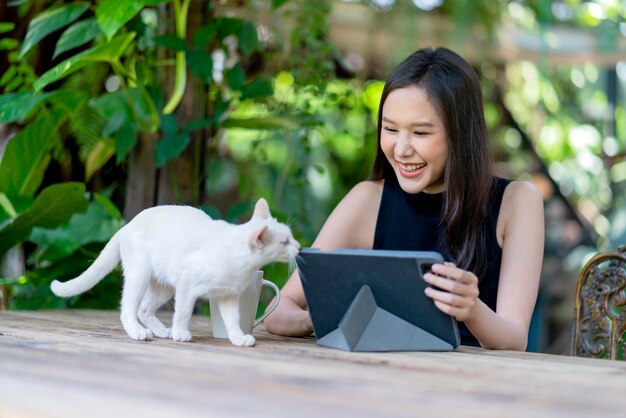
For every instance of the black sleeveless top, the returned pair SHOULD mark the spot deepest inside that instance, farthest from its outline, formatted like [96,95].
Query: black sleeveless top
[412,222]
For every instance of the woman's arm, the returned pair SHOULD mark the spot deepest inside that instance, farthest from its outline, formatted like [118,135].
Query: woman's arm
[521,235]
[350,225]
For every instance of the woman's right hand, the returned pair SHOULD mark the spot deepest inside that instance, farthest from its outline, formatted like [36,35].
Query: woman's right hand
[289,318]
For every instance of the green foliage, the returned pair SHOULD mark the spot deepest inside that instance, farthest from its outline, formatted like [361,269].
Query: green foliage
[77,35]
[53,206]
[49,21]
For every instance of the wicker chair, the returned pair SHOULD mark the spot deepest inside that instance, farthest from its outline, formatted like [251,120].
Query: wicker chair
[600,328]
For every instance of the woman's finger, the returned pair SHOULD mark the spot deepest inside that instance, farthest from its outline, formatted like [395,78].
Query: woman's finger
[452,286]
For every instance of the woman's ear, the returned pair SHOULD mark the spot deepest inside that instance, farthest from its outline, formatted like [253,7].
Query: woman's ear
[259,238]
[261,210]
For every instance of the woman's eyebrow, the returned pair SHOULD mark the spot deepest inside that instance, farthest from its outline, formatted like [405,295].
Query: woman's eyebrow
[418,124]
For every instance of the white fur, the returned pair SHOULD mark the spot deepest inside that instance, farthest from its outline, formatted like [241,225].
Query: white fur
[167,250]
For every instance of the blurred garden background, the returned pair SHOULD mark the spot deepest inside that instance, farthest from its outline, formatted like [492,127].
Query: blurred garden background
[112,106]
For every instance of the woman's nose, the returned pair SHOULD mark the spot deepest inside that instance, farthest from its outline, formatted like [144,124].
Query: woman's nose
[403,146]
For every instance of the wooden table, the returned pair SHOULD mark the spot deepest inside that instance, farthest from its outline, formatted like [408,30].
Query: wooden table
[82,364]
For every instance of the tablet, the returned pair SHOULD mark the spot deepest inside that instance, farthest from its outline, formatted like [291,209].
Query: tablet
[373,300]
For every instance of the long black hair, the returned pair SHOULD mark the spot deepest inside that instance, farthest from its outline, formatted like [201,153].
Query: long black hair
[453,88]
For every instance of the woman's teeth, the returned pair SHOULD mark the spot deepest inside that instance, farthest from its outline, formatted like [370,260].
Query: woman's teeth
[412,167]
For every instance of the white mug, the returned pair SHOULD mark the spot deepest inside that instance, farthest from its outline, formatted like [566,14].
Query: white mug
[248,304]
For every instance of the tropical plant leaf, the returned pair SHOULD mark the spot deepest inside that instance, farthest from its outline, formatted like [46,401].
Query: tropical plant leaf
[200,64]
[172,42]
[204,35]
[101,152]
[257,88]
[235,77]
[27,155]
[248,39]
[109,52]
[55,205]
[273,122]
[76,35]
[113,14]
[277,3]
[125,140]
[49,21]
[96,224]
[171,147]
[6,27]
[17,106]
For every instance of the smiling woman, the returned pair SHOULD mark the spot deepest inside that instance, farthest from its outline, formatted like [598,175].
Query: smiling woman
[432,190]
[413,139]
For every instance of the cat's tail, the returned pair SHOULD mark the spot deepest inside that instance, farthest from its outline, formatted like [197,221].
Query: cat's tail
[106,261]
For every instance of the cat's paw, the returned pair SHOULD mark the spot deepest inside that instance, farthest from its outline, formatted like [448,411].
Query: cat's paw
[243,340]
[141,334]
[181,335]
[162,332]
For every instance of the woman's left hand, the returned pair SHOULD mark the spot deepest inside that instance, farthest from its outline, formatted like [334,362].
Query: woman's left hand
[459,289]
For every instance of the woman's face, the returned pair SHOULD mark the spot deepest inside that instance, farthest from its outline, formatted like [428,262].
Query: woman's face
[413,139]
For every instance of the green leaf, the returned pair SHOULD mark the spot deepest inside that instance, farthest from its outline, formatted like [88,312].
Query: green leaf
[169,125]
[49,21]
[109,206]
[258,88]
[172,42]
[97,224]
[101,152]
[55,205]
[6,27]
[76,35]
[204,35]
[238,211]
[171,147]
[108,52]
[27,155]
[200,64]
[277,3]
[7,44]
[125,141]
[17,106]
[273,122]
[198,124]
[228,26]
[113,14]
[235,77]
[248,39]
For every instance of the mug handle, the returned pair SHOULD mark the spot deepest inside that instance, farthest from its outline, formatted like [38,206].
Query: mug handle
[272,306]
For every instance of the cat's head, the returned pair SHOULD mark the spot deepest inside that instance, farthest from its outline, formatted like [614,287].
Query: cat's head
[269,238]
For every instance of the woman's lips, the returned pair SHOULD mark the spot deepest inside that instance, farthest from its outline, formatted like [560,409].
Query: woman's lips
[411,170]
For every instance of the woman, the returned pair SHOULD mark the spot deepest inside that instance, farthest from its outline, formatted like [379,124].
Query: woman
[432,190]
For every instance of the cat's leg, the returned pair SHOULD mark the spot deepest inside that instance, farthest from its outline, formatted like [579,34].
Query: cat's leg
[229,309]
[184,302]
[136,278]
[156,295]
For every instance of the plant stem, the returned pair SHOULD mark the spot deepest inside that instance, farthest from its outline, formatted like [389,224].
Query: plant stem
[180,82]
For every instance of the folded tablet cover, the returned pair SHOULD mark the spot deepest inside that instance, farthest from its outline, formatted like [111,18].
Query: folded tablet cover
[332,280]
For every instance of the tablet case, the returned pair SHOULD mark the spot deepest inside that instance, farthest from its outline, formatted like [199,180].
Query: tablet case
[373,300]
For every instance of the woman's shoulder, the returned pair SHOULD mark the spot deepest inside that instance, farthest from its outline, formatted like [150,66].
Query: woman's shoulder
[521,198]
[521,190]
[367,189]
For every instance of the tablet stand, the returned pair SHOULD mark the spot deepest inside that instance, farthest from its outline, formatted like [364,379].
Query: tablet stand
[367,327]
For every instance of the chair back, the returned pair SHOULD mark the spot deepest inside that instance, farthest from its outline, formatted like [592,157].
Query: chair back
[600,328]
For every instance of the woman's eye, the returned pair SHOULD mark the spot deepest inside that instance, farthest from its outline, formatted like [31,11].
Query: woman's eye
[391,130]
[420,133]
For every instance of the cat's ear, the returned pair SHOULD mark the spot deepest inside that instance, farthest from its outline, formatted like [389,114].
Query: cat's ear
[261,210]
[259,237]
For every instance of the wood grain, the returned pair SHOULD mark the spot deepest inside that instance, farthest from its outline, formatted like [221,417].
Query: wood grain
[82,364]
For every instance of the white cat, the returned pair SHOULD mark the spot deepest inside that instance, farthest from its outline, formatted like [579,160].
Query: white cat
[167,250]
